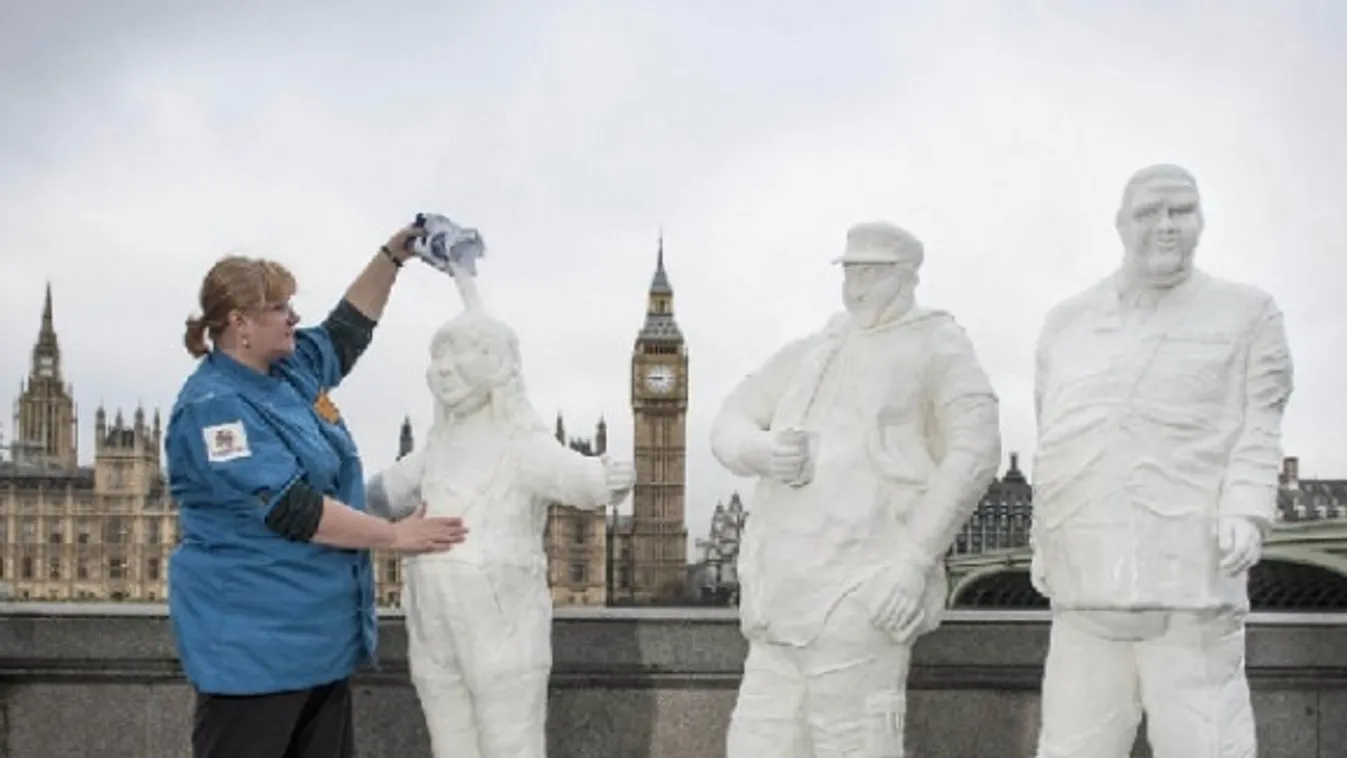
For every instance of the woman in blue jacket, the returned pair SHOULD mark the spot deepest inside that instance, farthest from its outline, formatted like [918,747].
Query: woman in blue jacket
[271,591]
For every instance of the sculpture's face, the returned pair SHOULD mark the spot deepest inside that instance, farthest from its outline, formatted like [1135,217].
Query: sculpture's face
[1160,227]
[871,290]
[468,361]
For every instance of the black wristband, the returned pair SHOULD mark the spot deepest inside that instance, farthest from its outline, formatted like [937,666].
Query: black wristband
[389,254]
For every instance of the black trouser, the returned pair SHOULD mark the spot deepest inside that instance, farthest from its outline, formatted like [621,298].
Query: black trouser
[312,723]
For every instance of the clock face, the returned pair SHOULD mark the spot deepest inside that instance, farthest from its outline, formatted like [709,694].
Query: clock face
[660,379]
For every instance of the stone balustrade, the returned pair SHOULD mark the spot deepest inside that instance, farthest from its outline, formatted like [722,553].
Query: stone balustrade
[102,680]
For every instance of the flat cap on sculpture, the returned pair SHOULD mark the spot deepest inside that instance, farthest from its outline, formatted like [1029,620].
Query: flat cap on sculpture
[881,242]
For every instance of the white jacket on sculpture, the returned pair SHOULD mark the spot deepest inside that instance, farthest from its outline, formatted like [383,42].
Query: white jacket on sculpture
[1160,393]
[871,441]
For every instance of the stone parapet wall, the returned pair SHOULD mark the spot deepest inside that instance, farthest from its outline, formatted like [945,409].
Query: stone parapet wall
[101,680]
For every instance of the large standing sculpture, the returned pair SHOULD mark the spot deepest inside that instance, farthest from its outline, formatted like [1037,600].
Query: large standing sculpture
[1160,394]
[872,440]
[479,616]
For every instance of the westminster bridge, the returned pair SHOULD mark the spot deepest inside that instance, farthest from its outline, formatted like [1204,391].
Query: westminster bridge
[1303,568]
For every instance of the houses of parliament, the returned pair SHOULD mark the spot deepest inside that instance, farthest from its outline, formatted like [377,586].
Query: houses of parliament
[75,532]
[71,531]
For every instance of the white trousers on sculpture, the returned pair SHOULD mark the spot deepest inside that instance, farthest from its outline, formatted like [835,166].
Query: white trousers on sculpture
[1185,669]
[846,691]
[480,652]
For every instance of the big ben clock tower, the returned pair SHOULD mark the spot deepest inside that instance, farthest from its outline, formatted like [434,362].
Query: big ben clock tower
[659,404]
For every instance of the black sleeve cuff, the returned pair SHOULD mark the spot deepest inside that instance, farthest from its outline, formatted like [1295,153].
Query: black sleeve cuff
[350,332]
[296,515]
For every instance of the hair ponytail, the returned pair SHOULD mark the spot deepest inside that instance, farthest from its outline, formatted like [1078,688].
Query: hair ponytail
[195,338]
[234,283]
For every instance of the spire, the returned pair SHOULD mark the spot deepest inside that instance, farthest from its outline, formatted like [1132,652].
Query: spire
[46,352]
[48,325]
[659,285]
[46,335]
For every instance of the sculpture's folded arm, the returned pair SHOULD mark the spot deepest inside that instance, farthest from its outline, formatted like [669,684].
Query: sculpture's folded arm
[748,410]
[556,473]
[1250,487]
[967,418]
[395,492]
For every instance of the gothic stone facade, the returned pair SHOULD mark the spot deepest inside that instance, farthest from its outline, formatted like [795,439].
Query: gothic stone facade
[74,532]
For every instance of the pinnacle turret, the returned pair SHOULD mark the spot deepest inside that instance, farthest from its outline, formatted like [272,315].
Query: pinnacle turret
[405,441]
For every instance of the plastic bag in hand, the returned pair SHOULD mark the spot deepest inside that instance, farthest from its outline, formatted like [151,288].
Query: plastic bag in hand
[446,242]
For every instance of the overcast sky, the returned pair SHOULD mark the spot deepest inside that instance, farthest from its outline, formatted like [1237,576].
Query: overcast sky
[140,141]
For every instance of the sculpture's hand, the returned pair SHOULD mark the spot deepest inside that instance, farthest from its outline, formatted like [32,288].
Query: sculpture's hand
[619,478]
[418,534]
[1241,544]
[896,600]
[781,455]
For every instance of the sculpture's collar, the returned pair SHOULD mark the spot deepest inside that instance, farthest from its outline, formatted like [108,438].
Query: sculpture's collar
[843,324]
[909,317]
[1122,295]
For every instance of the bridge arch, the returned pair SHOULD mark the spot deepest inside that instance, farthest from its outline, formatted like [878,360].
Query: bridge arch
[1304,554]
[966,576]
[1001,587]
[1298,583]
[1287,579]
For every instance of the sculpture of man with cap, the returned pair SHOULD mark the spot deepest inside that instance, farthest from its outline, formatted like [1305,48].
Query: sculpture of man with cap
[872,441]
[479,624]
[1160,392]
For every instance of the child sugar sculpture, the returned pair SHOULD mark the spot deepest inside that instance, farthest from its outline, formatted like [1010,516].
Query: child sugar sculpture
[479,617]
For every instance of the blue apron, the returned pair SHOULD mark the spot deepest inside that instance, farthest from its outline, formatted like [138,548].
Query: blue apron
[253,612]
